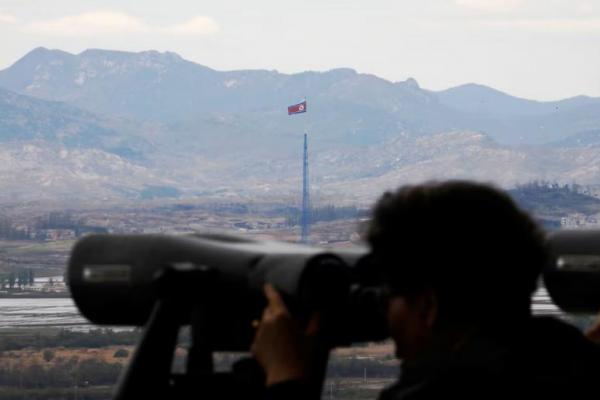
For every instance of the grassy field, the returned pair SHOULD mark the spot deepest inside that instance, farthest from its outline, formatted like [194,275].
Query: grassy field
[45,258]
[31,247]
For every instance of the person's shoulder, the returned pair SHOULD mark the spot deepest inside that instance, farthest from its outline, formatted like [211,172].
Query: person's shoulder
[461,386]
[401,391]
[561,342]
[545,356]
[555,357]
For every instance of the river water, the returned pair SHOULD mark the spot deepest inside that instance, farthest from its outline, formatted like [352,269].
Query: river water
[62,313]
[29,313]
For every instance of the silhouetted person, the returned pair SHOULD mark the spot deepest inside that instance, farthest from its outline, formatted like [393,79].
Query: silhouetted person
[460,262]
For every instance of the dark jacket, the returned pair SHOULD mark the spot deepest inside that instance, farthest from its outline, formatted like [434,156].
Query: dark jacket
[542,358]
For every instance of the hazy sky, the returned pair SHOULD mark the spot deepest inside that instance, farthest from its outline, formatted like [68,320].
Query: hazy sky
[540,49]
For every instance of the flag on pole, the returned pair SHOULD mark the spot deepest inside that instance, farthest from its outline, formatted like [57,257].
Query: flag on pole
[297,108]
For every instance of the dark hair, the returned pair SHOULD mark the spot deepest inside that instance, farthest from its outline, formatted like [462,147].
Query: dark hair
[468,242]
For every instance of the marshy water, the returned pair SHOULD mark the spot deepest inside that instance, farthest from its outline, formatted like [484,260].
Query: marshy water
[62,313]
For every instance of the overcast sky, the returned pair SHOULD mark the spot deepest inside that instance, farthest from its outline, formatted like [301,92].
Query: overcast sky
[539,49]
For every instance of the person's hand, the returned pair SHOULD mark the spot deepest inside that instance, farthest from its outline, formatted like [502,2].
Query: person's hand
[594,332]
[280,346]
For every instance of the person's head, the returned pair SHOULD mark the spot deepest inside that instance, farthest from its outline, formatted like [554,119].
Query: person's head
[454,255]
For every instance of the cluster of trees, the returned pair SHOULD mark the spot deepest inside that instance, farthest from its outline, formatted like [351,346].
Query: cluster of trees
[550,186]
[17,278]
[53,220]
[57,220]
[555,199]
[8,232]
[64,220]
[326,213]
[95,338]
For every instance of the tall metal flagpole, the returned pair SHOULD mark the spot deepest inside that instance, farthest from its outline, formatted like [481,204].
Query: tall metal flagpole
[305,221]
[300,108]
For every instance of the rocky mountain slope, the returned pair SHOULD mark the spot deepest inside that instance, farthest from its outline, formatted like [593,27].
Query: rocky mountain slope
[24,118]
[345,106]
[107,124]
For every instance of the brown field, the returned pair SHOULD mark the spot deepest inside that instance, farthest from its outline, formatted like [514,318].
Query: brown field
[27,357]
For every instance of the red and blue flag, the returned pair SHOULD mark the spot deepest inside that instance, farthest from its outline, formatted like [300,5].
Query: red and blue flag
[297,108]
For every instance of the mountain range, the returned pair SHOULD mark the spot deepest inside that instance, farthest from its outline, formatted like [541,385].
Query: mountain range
[109,124]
